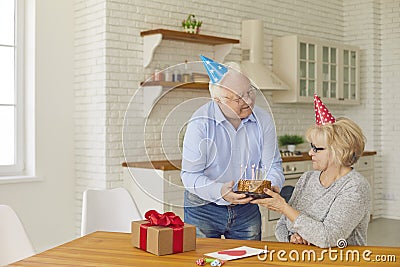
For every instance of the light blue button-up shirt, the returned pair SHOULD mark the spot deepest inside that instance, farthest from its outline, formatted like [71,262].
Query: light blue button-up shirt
[214,152]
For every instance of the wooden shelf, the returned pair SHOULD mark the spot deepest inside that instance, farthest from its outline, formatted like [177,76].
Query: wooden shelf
[177,85]
[153,91]
[164,165]
[190,37]
[152,39]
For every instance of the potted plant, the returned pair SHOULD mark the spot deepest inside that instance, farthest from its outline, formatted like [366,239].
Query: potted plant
[290,141]
[191,25]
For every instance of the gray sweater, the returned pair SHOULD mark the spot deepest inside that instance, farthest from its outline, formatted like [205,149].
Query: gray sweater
[340,211]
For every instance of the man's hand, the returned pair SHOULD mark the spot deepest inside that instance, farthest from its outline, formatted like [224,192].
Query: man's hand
[231,197]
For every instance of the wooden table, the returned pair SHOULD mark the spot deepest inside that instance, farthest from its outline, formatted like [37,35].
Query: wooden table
[114,249]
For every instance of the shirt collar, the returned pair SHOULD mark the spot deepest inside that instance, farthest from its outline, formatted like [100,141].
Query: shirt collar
[251,118]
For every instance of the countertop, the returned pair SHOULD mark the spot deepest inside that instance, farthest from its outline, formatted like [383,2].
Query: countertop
[166,165]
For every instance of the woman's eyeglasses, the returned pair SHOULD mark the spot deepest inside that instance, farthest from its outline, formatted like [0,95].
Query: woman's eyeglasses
[316,149]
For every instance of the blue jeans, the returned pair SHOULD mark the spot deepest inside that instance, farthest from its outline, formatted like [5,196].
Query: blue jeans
[212,220]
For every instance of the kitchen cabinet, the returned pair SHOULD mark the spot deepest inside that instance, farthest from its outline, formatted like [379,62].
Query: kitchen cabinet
[365,166]
[311,65]
[157,187]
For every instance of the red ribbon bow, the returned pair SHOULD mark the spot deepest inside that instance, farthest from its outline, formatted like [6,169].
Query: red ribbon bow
[167,219]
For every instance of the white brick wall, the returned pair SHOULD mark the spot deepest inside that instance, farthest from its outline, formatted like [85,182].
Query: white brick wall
[390,99]
[90,98]
[109,69]
[362,28]
[281,17]
[373,26]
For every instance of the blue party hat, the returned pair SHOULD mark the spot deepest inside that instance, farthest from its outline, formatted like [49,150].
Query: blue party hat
[214,69]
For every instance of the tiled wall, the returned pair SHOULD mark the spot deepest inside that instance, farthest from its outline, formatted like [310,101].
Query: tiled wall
[109,71]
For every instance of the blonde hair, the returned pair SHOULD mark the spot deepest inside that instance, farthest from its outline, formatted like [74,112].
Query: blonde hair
[344,139]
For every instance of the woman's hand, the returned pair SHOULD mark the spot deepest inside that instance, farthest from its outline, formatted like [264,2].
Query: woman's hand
[297,239]
[275,188]
[275,203]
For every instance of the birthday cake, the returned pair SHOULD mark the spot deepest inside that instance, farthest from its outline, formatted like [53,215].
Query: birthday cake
[254,188]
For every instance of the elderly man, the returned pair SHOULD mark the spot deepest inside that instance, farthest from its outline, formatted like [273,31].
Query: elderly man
[224,138]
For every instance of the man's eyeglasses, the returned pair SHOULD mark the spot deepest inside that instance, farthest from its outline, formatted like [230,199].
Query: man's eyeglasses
[316,149]
[250,94]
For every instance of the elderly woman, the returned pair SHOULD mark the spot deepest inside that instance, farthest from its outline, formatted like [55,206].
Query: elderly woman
[330,203]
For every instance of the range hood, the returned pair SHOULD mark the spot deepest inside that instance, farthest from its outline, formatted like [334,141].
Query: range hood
[252,46]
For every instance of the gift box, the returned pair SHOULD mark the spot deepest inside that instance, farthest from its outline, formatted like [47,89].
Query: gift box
[163,234]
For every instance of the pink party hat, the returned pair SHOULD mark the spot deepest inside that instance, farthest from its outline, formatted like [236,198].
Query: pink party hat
[214,69]
[322,114]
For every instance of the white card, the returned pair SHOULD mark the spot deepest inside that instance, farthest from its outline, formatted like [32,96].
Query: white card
[235,253]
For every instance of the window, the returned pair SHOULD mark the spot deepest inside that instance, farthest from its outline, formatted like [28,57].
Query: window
[12,149]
